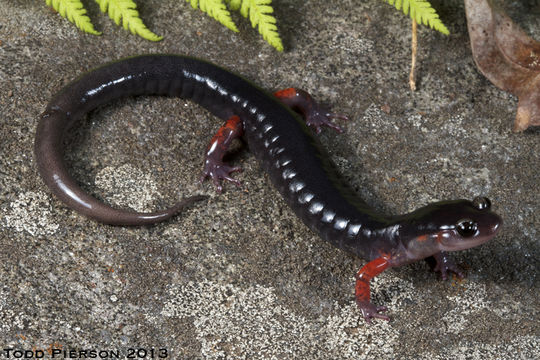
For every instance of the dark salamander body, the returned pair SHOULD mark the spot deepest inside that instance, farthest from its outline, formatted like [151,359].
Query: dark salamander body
[286,149]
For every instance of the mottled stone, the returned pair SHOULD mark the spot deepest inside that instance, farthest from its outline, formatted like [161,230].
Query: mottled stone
[239,276]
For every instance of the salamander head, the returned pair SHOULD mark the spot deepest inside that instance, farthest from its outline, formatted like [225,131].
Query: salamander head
[448,226]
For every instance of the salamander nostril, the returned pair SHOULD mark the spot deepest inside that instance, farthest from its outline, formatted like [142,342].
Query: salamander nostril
[496,225]
[481,203]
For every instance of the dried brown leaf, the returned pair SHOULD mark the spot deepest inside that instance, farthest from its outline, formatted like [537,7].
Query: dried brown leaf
[507,57]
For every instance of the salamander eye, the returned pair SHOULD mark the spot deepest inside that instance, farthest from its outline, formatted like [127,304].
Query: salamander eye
[467,228]
[481,203]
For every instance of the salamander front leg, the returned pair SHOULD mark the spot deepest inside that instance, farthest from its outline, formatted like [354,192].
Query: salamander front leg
[363,277]
[315,115]
[214,167]
[445,265]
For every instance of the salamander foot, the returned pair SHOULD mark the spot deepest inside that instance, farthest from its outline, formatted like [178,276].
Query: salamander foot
[318,116]
[445,265]
[370,311]
[218,171]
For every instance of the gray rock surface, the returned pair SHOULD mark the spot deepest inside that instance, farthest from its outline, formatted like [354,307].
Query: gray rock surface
[240,276]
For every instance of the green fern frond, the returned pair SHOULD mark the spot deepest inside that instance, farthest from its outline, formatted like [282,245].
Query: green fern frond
[74,11]
[422,12]
[235,4]
[217,10]
[259,14]
[125,11]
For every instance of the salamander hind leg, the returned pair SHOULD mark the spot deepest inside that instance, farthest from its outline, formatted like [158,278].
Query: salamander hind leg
[315,115]
[214,167]
[362,290]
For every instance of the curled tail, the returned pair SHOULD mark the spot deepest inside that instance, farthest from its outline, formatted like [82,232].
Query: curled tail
[151,75]
[49,158]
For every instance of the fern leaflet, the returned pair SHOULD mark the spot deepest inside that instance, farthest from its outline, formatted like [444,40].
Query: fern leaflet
[259,14]
[235,4]
[422,12]
[217,10]
[74,11]
[125,11]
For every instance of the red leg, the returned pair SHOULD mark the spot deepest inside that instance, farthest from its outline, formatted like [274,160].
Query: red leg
[363,277]
[314,114]
[214,167]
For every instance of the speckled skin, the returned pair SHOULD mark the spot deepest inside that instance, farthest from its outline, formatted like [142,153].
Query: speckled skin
[286,149]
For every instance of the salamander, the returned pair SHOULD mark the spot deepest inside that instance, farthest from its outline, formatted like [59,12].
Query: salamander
[276,128]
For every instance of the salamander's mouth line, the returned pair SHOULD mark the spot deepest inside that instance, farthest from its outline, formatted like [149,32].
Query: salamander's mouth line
[280,139]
